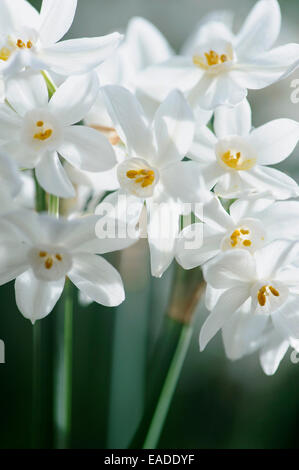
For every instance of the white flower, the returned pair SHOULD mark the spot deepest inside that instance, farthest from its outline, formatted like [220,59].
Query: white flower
[35,131]
[222,66]
[236,158]
[153,174]
[30,39]
[10,179]
[40,251]
[265,285]
[249,225]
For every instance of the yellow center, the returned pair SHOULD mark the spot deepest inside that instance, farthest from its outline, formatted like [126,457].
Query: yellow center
[44,134]
[238,236]
[5,52]
[236,161]
[49,261]
[143,177]
[264,292]
[209,59]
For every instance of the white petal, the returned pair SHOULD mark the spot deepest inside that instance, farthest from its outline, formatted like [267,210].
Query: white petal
[78,56]
[10,123]
[97,279]
[56,18]
[216,216]
[281,220]
[203,146]
[174,128]
[9,175]
[163,227]
[262,178]
[17,14]
[273,352]
[36,299]
[233,121]
[230,269]
[275,141]
[74,98]
[226,306]
[250,207]
[52,176]
[183,181]
[87,149]
[24,157]
[129,120]
[13,259]
[260,29]
[272,257]
[26,91]
[286,318]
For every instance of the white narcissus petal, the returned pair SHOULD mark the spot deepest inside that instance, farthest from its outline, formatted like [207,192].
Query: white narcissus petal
[281,219]
[74,98]
[274,256]
[17,14]
[26,91]
[56,18]
[183,181]
[87,149]
[250,207]
[233,121]
[52,176]
[226,306]
[286,318]
[273,352]
[129,120]
[24,157]
[260,30]
[216,216]
[263,178]
[78,56]
[174,128]
[9,175]
[10,123]
[275,141]
[97,279]
[203,147]
[25,224]
[36,299]
[230,269]
[146,45]
[163,227]
[13,259]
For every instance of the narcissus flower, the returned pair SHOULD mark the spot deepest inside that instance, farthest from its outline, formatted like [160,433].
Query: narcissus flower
[40,251]
[249,225]
[10,180]
[235,159]
[266,285]
[30,39]
[222,66]
[35,131]
[153,174]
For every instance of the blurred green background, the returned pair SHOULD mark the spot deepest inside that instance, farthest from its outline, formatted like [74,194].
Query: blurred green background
[217,404]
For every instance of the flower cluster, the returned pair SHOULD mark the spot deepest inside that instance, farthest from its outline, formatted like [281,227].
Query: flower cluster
[167,137]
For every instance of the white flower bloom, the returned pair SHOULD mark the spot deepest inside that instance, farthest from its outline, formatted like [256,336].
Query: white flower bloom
[36,131]
[10,179]
[249,225]
[265,285]
[40,251]
[236,157]
[153,174]
[222,66]
[30,39]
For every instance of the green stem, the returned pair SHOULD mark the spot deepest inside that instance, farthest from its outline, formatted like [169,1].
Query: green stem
[168,389]
[68,356]
[53,205]
[36,387]
[50,84]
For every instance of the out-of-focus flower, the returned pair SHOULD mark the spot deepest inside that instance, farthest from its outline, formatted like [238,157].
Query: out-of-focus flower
[30,39]
[35,130]
[249,225]
[10,180]
[40,251]
[265,285]
[222,66]
[235,159]
[153,174]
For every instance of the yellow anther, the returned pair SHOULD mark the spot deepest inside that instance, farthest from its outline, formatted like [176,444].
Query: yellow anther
[145,177]
[236,161]
[21,44]
[40,123]
[264,292]
[223,58]
[49,262]
[43,135]
[43,254]
[29,44]
[210,58]
[244,231]
[58,257]
[236,237]
[246,242]
[5,53]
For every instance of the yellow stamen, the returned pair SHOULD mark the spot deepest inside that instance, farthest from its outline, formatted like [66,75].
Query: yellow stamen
[212,58]
[40,123]
[246,242]
[29,44]
[274,291]
[43,254]
[43,135]
[5,53]
[264,292]
[21,44]
[59,257]
[244,232]
[237,162]
[145,177]
[49,262]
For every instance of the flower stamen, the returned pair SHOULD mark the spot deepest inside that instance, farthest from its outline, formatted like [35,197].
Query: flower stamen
[237,161]
[145,177]
[264,292]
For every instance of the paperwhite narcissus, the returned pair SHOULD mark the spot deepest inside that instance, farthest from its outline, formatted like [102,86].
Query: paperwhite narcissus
[249,225]
[222,66]
[40,251]
[10,180]
[267,280]
[30,39]
[235,159]
[153,174]
[35,131]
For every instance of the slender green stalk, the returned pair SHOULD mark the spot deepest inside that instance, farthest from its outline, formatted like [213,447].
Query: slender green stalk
[36,387]
[53,205]
[68,363]
[50,84]
[168,389]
